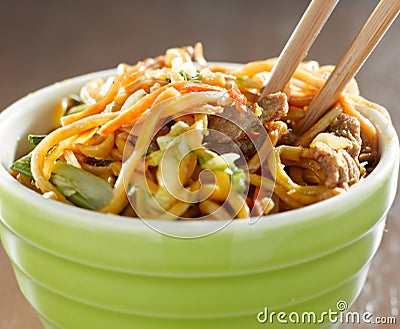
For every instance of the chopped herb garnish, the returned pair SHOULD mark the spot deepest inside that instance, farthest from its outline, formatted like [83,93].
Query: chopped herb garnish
[77,109]
[36,139]
[23,166]
[238,179]
[183,74]
[186,77]
[196,77]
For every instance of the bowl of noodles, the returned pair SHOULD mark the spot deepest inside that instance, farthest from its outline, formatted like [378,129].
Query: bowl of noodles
[167,195]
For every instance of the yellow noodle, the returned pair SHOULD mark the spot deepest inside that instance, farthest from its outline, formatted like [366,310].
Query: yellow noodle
[318,127]
[100,150]
[277,129]
[214,210]
[53,155]
[295,153]
[285,181]
[118,200]
[361,101]
[267,204]
[71,158]
[55,137]
[103,171]
[120,140]
[293,167]
[366,126]
[286,198]
[257,180]
[239,205]
[115,167]
[177,210]
[116,154]
[253,68]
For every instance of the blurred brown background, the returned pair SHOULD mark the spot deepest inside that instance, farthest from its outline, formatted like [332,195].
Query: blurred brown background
[44,41]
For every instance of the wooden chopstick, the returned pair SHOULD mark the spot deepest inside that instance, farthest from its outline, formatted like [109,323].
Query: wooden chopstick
[355,56]
[299,43]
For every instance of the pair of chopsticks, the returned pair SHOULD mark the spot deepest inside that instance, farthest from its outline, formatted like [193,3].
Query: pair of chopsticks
[303,37]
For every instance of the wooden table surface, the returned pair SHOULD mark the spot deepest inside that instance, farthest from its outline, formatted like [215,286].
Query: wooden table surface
[45,41]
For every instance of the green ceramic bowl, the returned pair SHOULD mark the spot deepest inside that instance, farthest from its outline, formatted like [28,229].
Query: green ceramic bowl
[82,270]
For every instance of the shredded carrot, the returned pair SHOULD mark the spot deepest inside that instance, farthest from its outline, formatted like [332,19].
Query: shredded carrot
[362,101]
[119,82]
[95,108]
[132,114]
[185,87]
[235,94]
